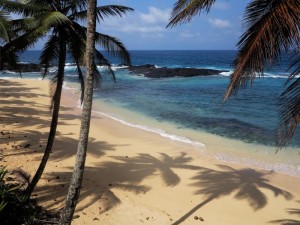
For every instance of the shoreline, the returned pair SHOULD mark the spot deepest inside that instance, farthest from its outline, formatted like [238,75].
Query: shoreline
[258,156]
[209,145]
[132,175]
[268,159]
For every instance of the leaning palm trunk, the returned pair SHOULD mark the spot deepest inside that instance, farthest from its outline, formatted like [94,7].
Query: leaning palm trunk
[55,113]
[77,176]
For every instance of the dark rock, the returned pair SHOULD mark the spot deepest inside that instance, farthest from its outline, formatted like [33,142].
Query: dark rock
[24,67]
[150,71]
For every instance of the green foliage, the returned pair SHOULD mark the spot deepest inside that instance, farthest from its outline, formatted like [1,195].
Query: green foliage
[8,192]
[14,207]
[10,199]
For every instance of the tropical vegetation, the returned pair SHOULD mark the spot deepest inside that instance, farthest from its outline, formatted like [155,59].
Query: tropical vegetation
[60,23]
[14,207]
[271,30]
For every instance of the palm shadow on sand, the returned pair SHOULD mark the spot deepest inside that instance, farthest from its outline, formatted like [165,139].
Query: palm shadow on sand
[145,165]
[125,173]
[291,211]
[245,184]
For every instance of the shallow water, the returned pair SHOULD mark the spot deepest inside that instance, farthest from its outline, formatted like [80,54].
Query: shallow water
[191,110]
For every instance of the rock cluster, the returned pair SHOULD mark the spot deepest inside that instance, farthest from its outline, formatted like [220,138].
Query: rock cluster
[149,70]
[24,67]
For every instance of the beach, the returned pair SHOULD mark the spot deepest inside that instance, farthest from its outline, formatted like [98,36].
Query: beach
[133,176]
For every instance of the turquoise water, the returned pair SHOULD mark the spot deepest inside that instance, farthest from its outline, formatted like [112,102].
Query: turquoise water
[197,102]
[194,104]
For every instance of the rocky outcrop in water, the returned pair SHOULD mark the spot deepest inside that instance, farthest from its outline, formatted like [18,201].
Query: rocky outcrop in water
[149,70]
[24,67]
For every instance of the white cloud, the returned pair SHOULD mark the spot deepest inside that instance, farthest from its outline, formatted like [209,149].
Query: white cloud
[155,15]
[140,29]
[152,22]
[219,23]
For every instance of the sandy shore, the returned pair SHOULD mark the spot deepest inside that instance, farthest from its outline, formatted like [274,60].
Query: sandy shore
[133,176]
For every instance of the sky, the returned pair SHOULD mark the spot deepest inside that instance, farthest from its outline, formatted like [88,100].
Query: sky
[145,28]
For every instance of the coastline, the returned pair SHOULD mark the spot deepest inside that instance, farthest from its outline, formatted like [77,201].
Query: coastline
[223,149]
[134,176]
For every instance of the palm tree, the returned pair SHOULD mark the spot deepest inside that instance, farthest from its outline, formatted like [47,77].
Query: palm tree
[4,27]
[77,176]
[272,29]
[6,34]
[59,21]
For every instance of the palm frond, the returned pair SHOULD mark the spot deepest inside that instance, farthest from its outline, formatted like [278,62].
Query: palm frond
[112,10]
[105,11]
[272,27]
[38,30]
[289,114]
[26,40]
[24,9]
[53,19]
[295,65]
[49,53]
[97,78]
[57,80]
[53,90]
[76,39]
[113,47]
[4,26]
[30,30]
[21,26]
[102,61]
[184,10]
[76,49]
[81,80]
[289,102]
[8,57]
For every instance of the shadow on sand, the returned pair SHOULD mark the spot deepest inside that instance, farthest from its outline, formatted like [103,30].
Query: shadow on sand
[245,184]
[121,173]
[126,173]
[291,211]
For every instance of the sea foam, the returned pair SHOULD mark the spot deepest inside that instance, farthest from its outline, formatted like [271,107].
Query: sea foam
[161,132]
[282,168]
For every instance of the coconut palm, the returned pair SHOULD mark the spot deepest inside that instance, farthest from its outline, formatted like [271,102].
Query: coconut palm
[77,176]
[5,36]
[58,21]
[272,29]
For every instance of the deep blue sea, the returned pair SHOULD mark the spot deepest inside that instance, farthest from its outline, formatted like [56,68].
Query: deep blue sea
[194,103]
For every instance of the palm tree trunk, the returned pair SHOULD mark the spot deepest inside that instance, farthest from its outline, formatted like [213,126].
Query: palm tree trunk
[55,114]
[77,176]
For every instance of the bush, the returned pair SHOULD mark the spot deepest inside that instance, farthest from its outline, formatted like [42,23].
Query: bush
[15,208]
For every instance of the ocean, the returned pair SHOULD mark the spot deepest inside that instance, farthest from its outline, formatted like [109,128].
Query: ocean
[182,109]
